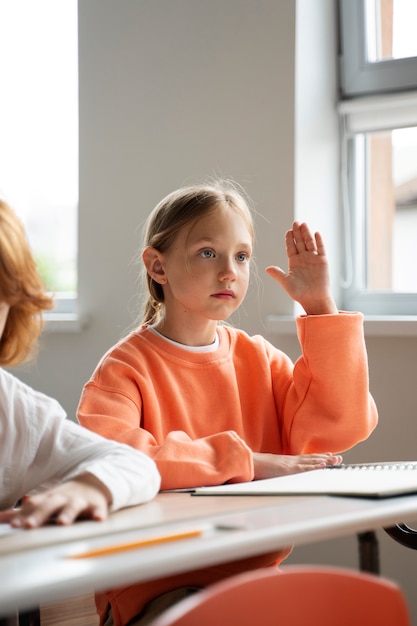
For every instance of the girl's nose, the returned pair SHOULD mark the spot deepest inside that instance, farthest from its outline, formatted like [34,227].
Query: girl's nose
[228,270]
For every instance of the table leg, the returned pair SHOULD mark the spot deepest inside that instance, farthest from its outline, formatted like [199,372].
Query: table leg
[368,552]
[9,621]
[24,618]
[30,618]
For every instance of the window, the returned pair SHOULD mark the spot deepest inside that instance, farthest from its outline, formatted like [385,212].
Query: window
[39,133]
[379,155]
[378,46]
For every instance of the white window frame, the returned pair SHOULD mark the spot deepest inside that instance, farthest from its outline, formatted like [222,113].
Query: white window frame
[375,96]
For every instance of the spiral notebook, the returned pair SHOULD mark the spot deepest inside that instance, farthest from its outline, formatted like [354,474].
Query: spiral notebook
[369,480]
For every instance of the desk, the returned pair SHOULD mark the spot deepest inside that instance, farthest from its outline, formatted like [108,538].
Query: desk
[35,567]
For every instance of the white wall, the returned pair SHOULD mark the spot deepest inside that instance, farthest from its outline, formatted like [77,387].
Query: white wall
[172,93]
[175,91]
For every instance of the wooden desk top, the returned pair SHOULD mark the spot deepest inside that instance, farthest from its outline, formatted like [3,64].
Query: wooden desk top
[35,565]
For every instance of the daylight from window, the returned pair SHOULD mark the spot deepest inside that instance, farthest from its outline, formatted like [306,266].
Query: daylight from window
[404,163]
[390,28]
[39,130]
[391,158]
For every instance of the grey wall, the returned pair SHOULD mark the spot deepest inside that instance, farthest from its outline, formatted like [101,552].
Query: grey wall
[175,91]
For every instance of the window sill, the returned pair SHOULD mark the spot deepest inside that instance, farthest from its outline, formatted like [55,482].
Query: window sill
[63,323]
[64,317]
[374,325]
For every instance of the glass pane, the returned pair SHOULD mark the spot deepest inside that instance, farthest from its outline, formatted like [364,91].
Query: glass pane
[39,129]
[390,29]
[392,210]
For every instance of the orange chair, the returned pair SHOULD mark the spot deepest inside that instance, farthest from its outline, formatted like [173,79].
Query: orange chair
[295,595]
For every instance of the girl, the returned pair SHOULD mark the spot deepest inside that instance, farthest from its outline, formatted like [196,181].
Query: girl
[209,403]
[38,446]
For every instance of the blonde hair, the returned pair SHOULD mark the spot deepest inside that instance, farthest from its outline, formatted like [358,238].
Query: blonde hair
[177,210]
[21,288]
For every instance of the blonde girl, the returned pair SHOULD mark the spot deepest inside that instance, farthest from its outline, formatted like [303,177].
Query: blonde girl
[206,401]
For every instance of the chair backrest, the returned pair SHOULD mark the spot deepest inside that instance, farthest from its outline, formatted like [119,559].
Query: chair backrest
[295,595]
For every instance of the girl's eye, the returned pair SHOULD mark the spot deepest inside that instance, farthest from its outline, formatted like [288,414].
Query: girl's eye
[242,257]
[207,254]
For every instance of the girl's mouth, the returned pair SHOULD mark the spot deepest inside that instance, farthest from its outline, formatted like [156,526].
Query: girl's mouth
[226,294]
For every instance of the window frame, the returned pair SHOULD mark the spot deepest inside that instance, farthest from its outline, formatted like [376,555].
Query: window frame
[358,75]
[374,96]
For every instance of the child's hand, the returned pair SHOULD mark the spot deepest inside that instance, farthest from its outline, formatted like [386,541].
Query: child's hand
[273,465]
[307,280]
[83,497]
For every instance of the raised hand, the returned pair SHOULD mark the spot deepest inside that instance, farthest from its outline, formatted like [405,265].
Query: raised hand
[307,280]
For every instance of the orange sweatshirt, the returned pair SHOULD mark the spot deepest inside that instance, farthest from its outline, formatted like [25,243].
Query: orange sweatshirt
[200,415]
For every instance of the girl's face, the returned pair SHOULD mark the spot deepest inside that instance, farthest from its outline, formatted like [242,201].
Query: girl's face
[4,311]
[206,270]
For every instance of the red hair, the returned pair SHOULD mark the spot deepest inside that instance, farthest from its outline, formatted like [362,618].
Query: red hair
[21,287]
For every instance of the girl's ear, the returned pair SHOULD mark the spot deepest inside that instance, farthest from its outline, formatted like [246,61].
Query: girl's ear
[153,262]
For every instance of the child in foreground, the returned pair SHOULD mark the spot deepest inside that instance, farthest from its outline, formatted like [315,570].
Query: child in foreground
[74,472]
[207,402]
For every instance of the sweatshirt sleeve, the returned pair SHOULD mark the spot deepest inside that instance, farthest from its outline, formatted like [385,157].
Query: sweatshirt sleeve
[223,457]
[328,406]
[182,461]
[59,449]
[130,475]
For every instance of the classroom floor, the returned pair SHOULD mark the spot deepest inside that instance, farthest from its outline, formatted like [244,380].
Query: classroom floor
[80,611]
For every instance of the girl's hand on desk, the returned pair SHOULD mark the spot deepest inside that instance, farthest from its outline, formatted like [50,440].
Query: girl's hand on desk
[83,497]
[272,465]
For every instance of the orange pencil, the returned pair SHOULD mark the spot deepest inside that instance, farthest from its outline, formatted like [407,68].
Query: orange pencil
[144,543]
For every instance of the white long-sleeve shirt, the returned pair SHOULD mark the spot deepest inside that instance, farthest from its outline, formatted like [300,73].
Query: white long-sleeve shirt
[40,448]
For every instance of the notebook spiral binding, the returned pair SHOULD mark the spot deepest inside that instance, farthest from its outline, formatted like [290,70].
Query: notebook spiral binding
[398,466]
